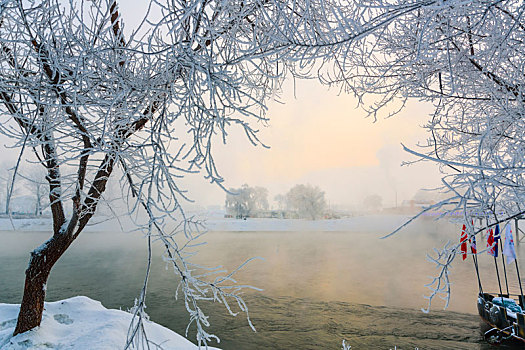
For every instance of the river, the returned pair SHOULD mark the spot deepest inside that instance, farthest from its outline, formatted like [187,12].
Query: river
[318,287]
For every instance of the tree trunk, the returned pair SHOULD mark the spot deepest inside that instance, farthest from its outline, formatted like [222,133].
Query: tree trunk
[40,264]
[44,257]
[37,204]
[32,306]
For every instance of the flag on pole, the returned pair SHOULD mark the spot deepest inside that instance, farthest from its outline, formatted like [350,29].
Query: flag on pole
[508,248]
[463,241]
[492,243]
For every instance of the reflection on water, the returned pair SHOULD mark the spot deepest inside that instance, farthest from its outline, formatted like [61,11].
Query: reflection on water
[319,287]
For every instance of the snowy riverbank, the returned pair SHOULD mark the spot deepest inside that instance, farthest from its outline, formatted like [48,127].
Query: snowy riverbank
[216,222]
[81,323]
[367,223]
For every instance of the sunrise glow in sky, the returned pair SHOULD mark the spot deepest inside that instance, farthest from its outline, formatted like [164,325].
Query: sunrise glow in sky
[322,138]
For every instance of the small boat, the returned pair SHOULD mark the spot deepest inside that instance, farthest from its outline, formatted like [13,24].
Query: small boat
[504,316]
[502,313]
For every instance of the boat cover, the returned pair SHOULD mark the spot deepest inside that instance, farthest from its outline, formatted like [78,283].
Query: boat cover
[508,303]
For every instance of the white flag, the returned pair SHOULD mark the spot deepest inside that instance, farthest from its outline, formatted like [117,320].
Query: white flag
[508,248]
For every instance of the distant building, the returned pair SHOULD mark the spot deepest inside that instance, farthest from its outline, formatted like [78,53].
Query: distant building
[412,206]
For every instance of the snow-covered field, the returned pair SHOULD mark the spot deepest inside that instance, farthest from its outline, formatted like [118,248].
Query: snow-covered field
[217,222]
[26,224]
[81,323]
[369,223]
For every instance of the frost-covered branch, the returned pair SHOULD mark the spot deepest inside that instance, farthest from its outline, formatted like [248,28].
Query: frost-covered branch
[465,58]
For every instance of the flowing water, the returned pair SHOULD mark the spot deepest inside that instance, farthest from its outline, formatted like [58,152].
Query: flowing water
[319,287]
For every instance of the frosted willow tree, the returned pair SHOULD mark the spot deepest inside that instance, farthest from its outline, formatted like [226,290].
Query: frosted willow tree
[90,98]
[307,201]
[246,201]
[35,179]
[467,59]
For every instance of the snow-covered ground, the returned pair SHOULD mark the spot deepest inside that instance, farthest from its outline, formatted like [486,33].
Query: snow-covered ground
[217,222]
[81,323]
[369,223]
[26,224]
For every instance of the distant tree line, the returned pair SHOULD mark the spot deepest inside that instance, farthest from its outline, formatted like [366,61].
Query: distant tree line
[306,201]
[301,201]
[246,201]
[28,195]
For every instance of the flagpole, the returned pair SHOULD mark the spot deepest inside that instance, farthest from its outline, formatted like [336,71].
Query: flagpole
[504,268]
[494,252]
[519,278]
[516,263]
[497,274]
[474,251]
[475,258]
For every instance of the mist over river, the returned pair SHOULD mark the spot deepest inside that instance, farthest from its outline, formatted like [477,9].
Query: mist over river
[318,287]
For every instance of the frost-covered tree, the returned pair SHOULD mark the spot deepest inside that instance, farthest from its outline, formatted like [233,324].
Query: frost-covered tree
[8,188]
[467,59]
[261,198]
[281,201]
[246,201]
[35,180]
[92,98]
[306,200]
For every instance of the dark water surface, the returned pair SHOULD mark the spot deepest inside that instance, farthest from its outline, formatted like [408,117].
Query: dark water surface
[319,287]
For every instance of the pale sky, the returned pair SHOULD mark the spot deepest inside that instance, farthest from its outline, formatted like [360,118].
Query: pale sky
[321,138]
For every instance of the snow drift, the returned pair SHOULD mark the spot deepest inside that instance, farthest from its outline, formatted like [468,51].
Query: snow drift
[81,323]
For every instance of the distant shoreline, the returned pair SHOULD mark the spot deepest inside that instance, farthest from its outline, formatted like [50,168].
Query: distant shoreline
[213,223]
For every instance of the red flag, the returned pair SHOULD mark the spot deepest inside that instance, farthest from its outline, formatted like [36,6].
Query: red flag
[463,241]
[490,243]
